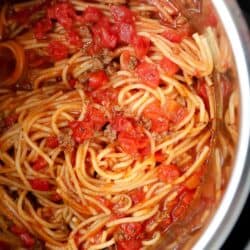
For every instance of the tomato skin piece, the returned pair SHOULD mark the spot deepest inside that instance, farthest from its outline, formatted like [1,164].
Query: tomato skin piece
[137,195]
[39,164]
[81,130]
[149,74]
[132,244]
[92,14]
[126,32]
[52,142]
[75,39]
[40,184]
[57,50]
[175,35]
[97,79]
[41,28]
[169,67]
[168,173]
[122,14]
[141,46]
[64,13]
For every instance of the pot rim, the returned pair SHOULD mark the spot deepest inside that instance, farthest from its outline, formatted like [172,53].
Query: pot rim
[238,187]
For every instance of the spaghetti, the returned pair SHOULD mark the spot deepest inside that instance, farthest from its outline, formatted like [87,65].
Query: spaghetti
[108,121]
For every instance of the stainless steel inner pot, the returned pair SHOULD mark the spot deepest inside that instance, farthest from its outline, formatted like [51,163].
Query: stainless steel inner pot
[238,187]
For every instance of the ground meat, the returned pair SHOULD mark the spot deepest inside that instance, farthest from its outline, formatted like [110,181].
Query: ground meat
[112,68]
[66,142]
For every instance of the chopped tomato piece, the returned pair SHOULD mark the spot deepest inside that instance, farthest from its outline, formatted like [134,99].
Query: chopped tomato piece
[134,143]
[104,36]
[10,120]
[126,32]
[75,39]
[122,124]
[58,50]
[137,195]
[64,13]
[157,116]
[39,163]
[149,74]
[132,230]
[97,79]
[175,35]
[92,14]
[168,173]
[17,230]
[175,111]
[52,142]
[131,137]
[81,130]
[159,156]
[27,239]
[169,67]
[95,117]
[106,97]
[42,27]
[132,244]
[141,46]
[40,184]
[122,14]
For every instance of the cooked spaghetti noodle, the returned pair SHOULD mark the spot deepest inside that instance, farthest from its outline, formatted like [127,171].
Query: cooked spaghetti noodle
[108,121]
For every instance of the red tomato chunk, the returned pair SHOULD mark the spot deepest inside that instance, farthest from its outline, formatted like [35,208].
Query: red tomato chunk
[92,15]
[40,184]
[97,79]
[159,120]
[149,74]
[42,28]
[122,14]
[168,173]
[81,130]
[169,67]
[141,46]
[39,163]
[52,142]
[58,50]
